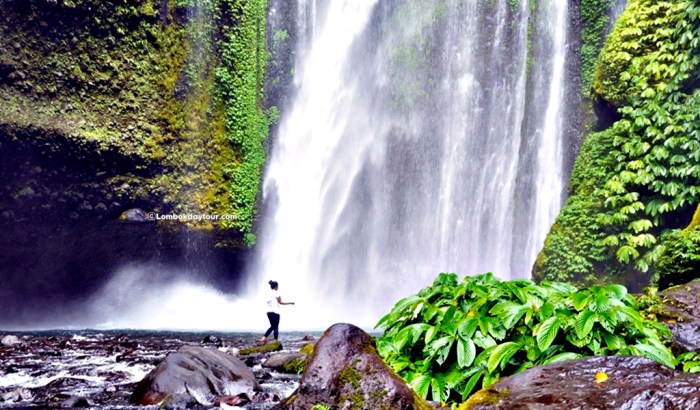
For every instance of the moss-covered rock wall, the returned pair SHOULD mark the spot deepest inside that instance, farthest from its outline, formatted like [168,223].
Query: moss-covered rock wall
[639,178]
[111,106]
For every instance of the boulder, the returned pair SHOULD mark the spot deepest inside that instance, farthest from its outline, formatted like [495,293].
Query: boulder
[345,372]
[682,302]
[286,362]
[628,382]
[268,347]
[135,215]
[10,340]
[686,337]
[195,373]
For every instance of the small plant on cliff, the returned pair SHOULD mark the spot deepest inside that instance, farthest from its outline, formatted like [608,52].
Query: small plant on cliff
[454,337]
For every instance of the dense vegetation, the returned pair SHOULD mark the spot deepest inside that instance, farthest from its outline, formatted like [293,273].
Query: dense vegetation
[452,338]
[595,20]
[171,89]
[638,178]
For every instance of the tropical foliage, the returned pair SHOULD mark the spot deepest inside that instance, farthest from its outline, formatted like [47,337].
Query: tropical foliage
[454,337]
[646,179]
[679,262]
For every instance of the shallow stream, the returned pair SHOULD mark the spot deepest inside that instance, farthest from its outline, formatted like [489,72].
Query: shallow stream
[92,368]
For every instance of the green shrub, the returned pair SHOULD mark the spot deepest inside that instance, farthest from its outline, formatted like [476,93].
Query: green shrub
[679,262]
[452,338]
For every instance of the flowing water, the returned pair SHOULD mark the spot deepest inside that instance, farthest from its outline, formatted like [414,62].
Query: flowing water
[52,369]
[423,137]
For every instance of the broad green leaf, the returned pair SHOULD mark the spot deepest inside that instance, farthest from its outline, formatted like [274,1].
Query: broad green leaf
[584,323]
[483,341]
[618,290]
[661,355]
[466,352]
[547,332]
[562,357]
[421,385]
[613,341]
[501,354]
[471,384]
[467,327]
[438,389]
[626,253]
[580,300]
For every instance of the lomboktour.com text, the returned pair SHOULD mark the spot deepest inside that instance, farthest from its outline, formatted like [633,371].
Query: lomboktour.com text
[153,216]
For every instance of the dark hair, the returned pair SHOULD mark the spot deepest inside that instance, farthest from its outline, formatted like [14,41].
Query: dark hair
[273,284]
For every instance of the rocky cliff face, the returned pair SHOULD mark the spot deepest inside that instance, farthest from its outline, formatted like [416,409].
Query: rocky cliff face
[107,107]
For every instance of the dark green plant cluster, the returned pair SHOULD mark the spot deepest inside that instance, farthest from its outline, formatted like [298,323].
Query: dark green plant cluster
[240,79]
[595,19]
[573,249]
[640,176]
[454,337]
[657,141]
[679,262]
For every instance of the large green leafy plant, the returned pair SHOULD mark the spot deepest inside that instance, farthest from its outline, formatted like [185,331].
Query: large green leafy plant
[454,337]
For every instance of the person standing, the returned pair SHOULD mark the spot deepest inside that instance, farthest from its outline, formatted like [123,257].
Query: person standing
[273,310]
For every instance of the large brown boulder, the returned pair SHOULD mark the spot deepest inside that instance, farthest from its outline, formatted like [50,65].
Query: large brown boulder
[623,382]
[345,372]
[195,374]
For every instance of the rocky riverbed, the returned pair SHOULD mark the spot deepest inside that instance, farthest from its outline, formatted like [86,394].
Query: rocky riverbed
[101,369]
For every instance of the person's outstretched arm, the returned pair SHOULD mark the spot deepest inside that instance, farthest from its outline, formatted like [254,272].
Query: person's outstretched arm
[279,300]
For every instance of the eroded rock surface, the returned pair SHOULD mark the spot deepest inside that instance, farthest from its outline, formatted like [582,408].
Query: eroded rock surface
[195,373]
[633,383]
[345,372]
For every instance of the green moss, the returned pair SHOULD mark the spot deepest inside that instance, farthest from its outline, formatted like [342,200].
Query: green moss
[308,349]
[349,380]
[484,397]
[128,77]
[295,366]
[594,19]
[632,46]
[266,348]
[572,249]
[240,82]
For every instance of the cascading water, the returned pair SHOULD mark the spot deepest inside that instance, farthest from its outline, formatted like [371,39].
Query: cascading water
[423,137]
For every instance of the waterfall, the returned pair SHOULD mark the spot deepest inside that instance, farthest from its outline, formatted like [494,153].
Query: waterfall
[422,137]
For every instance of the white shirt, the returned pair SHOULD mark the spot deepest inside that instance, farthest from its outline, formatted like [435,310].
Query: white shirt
[272,304]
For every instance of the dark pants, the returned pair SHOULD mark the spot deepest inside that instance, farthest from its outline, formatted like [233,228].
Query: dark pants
[274,324]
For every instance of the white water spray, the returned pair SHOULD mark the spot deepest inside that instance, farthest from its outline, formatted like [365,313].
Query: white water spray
[402,155]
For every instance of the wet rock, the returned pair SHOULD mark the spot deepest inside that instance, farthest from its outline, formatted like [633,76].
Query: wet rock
[632,383]
[18,394]
[124,356]
[195,372]
[10,340]
[211,339]
[134,215]
[232,400]
[682,302]
[345,371]
[74,402]
[308,338]
[266,348]
[286,362]
[686,337]
[101,208]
